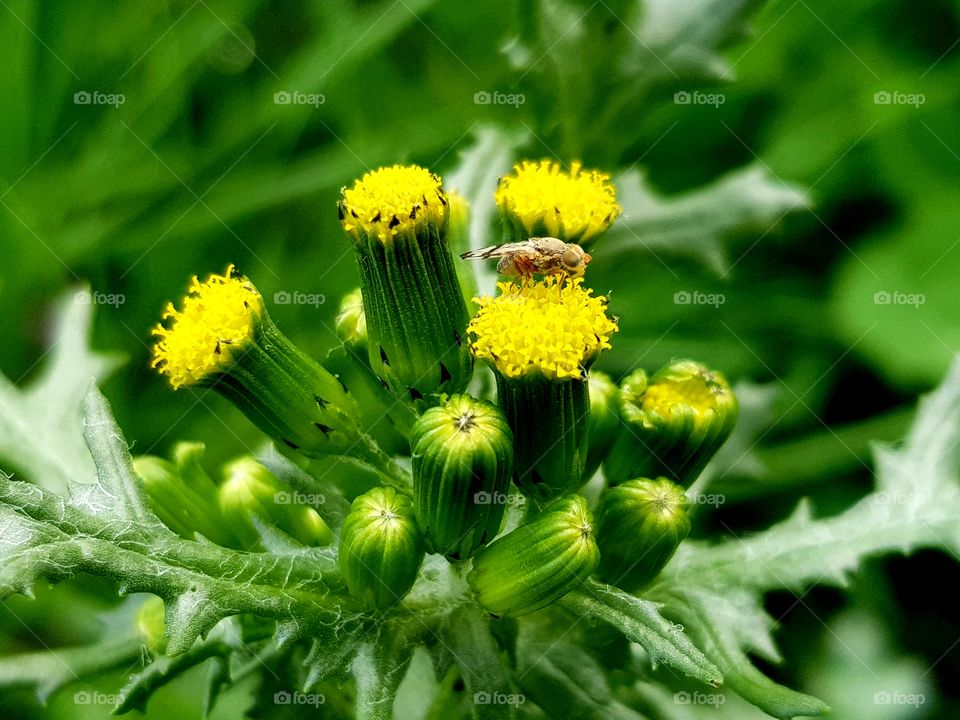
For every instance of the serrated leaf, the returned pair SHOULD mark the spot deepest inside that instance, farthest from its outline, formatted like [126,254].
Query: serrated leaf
[332,652]
[379,666]
[698,223]
[640,620]
[716,590]
[41,424]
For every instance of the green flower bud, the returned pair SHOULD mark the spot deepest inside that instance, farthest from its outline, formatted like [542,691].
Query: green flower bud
[537,563]
[415,312]
[604,419]
[151,625]
[640,524]
[381,548]
[250,489]
[673,423]
[351,322]
[462,465]
[183,496]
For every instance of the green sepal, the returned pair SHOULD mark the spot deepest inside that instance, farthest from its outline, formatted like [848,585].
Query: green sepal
[550,423]
[462,465]
[415,312]
[604,420]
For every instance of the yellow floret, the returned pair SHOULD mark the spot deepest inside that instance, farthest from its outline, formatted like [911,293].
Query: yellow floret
[574,206]
[393,200]
[555,328]
[216,320]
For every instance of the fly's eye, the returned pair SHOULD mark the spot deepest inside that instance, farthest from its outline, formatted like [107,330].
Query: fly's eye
[572,258]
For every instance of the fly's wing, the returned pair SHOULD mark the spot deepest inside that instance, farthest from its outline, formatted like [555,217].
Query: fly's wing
[499,251]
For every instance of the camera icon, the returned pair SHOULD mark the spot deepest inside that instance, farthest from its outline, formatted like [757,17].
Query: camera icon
[882,97]
[682,297]
[82,98]
[881,698]
[82,297]
[282,298]
[881,298]
[282,98]
[482,498]
[482,97]
[681,698]
[682,97]
[481,697]
[282,698]
[282,498]
[82,697]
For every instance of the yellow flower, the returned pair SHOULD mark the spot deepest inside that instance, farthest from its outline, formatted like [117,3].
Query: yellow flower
[216,320]
[393,200]
[555,328]
[541,198]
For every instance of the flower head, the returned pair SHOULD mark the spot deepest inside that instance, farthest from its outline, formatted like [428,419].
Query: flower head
[555,328]
[215,321]
[393,200]
[541,198]
[684,387]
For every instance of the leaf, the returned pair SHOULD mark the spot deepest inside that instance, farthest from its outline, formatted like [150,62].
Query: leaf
[379,667]
[475,178]
[698,223]
[50,670]
[680,41]
[40,425]
[641,622]
[716,590]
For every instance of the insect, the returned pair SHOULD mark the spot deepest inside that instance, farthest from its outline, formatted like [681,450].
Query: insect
[541,255]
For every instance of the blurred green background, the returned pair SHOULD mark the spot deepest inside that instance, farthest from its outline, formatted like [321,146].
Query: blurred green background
[787,171]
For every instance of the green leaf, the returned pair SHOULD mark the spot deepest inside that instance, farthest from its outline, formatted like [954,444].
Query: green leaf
[641,622]
[379,667]
[698,223]
[716,590]
[40,425]
[50,670]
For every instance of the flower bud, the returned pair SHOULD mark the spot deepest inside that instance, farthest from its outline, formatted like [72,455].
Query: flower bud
[415,312]
[183,496]
[381,548]
[223,338]
[151,625]
[462,465]
[640,524]
[351,322]
[542,199]
[538,562]
[541,337]
[604,419]
[249,490]
[673,423]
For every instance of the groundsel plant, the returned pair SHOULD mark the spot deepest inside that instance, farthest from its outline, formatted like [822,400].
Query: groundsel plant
[522,550]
